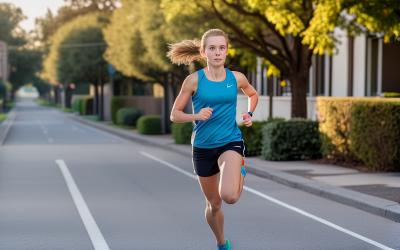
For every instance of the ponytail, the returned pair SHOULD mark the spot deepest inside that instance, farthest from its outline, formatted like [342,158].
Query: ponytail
[188,51]
[185,52]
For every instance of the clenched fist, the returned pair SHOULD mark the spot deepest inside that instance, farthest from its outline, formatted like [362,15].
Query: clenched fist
[204,114]
[247,120]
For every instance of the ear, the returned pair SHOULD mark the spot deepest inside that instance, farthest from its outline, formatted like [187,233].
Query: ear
[202,51]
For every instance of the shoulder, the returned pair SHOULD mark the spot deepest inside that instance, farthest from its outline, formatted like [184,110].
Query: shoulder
[191,81]
[241,79]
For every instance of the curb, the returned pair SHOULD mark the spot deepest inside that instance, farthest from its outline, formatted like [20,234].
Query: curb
[375,205]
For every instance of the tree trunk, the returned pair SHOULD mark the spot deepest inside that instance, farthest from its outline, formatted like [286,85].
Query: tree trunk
[299,97]
[101,99]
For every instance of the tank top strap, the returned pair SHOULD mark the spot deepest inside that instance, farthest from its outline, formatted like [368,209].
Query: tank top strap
[200,75]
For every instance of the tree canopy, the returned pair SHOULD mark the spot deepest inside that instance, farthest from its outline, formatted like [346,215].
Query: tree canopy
[10,31]
[286,33]
[76,51]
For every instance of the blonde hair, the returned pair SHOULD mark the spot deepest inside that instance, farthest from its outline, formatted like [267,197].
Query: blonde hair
[188,51]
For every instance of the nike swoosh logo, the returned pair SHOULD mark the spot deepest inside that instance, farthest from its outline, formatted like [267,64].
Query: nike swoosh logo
[229,86]
[238,146]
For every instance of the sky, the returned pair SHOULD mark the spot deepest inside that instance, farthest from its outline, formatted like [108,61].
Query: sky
[34,8]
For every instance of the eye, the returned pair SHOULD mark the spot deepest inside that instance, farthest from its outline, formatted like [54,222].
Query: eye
[211,47]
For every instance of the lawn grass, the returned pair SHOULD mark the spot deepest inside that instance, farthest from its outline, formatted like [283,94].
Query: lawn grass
[2,117]
[119,126]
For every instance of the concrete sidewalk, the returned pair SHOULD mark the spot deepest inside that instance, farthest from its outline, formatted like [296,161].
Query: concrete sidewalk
[377,193]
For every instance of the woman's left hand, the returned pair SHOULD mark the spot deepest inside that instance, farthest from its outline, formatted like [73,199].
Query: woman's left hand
[247,119]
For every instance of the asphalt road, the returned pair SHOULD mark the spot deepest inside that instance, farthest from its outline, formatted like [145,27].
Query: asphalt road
[64,185]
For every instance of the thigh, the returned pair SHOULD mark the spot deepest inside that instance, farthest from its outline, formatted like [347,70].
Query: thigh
[209,185]
[230,163]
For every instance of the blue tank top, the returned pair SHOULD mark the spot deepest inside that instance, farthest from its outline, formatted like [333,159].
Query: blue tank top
[221,128]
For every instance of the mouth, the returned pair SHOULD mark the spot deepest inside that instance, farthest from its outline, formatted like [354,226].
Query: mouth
[218,59]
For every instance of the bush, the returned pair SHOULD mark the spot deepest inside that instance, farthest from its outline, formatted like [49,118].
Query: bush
[77,106]
[87,106]
[361,129]
[128,116]
[375,134]
[149,125]
[252,135]
[290,140]
[182,132]
[392,95]
[117,102]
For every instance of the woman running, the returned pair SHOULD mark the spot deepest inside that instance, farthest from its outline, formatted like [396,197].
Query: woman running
[216,139]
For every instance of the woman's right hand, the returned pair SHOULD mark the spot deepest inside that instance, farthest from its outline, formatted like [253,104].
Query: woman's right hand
[204,114]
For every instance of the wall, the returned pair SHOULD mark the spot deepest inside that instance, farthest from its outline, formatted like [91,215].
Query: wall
[281,107]
[360,57]
[340,65]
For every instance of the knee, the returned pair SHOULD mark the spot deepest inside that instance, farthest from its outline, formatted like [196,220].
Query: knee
[230,198]
[214,205]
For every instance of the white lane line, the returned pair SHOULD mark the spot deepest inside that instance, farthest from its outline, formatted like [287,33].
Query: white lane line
[49,139]
[282,204]
[93,230]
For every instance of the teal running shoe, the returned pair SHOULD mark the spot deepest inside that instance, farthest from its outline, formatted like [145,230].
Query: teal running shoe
[243,169]
[227,246]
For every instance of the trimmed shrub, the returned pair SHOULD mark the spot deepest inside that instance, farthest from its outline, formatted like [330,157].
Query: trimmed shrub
[87,106]
[290,140]
[149,125]
[128,116]
[392,95]
[117,102]
[77,106]
[182,132]
[361,129]
[375,134]
[252,135]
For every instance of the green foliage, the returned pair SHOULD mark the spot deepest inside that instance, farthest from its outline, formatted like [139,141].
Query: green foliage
[3,117]
[9,105]
[87,104]
[149,125]
[92,117]
[252,135]
[128,116]
[67,110]
[69,63]
[25,63]
[360,129]
[290,140]
[77,105]
[182,132]
[117,102]
[375,134]
[10,31]
[44,103]
[392,95]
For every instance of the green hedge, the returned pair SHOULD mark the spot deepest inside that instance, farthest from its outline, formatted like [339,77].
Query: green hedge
[128,116]
[375,134]
[182,132]
[149,125]
[290,140]
[77,105]
[361,129]
[392,95]
[117,102]
[87,104]
[252,135]
[3,117]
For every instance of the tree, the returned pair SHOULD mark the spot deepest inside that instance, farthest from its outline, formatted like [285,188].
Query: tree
[287,32]
[25,64]
[48,25]
[10,31]
[76,53]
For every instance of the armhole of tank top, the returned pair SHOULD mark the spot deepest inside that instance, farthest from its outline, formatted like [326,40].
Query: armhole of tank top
[234,77]
[199,78]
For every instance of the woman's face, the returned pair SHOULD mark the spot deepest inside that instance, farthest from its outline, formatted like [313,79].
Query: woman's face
[215,50]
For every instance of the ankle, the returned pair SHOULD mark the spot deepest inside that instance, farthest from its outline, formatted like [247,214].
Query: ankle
[221,243]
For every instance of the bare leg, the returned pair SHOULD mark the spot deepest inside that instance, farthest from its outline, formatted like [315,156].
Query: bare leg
[231,183]
[214,215]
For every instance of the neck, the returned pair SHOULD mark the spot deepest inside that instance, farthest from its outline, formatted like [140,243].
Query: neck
[216,73]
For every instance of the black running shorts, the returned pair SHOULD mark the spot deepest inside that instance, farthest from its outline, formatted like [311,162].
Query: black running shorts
[205,160]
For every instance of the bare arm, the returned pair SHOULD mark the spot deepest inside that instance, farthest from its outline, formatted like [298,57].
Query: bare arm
[250,92]
[189,86]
